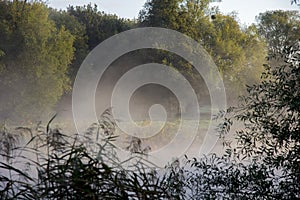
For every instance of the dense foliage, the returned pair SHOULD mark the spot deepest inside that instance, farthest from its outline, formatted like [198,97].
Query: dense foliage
[34,59]
[262,164]
[270,114]
[238,52]
[42,48]
[36,50]
[279,28]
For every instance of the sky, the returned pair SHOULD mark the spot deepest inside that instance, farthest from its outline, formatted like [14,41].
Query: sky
[247,9]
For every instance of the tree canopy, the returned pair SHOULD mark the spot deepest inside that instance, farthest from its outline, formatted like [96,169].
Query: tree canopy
[34,59]
[279,28]
[40,51]
[99,25]
[89,27]
[237,51]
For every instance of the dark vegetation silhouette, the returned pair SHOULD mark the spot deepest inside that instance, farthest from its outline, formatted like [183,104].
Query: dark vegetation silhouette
[263,165]
[42,162]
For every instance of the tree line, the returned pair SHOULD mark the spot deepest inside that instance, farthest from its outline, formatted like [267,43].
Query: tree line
[263,163]
[42,48]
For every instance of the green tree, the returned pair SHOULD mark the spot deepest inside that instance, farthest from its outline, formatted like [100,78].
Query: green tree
[161,14]
[64,20]
[180,15]
[99,26]
[35,59]
[279,28]
[238,52]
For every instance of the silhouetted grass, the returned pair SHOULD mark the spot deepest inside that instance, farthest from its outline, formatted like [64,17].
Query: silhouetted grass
[52,165]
